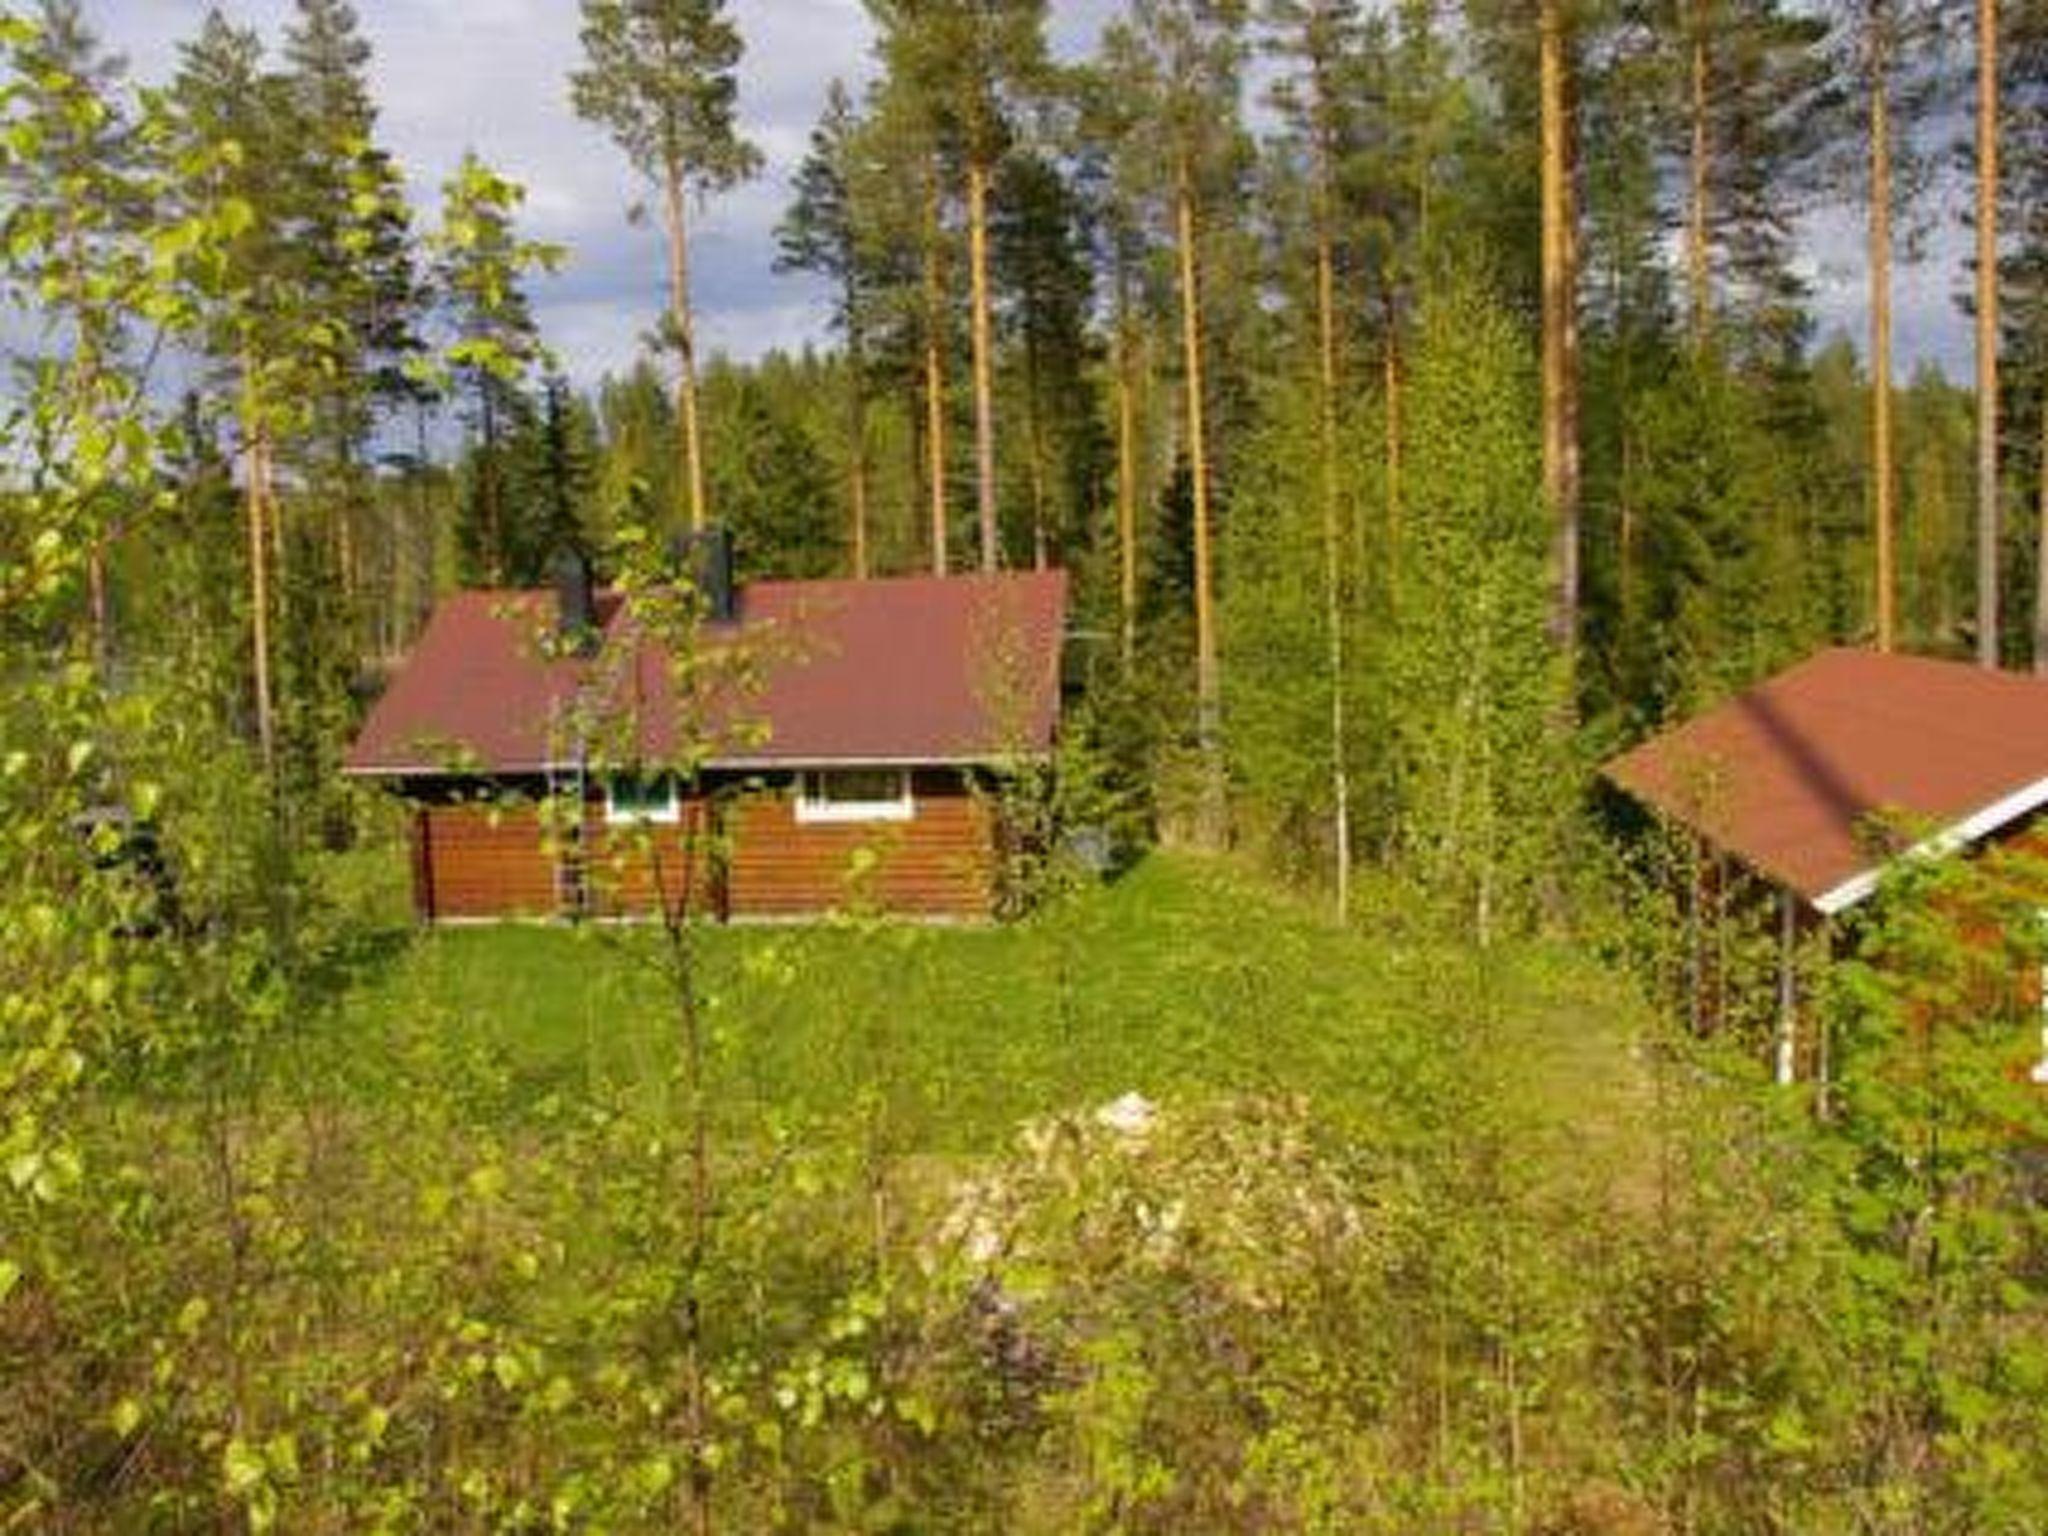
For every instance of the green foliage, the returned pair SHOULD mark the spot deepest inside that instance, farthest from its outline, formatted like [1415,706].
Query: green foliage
[768,467]
[1482,774]
[479,266]
[660,76]
[1935,1025]
[1167,1206]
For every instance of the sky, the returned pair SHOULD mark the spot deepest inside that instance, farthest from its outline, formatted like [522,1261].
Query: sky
[492,75]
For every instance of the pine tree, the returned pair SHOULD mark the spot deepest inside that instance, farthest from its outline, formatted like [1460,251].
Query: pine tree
[1561,476]
[1987,620]
[967,66]
[2023,282]
[1884,47]
[1181,59]
[661,77]
[356,243]
[1753,81]
[1039,266]
[1110,178]
[903,234]
[819,233]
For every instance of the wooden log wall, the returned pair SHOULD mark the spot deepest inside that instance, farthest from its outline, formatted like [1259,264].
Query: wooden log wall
[636,871]
[482,861]
[938,864]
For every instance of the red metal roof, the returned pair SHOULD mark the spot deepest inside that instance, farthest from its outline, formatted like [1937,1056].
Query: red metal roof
[920,669]
[1789,776]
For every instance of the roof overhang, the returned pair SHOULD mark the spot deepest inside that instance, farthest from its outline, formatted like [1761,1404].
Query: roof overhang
[713,765]
[1972,828]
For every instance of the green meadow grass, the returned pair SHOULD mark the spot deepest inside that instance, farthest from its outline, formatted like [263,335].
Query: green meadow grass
[1184,978]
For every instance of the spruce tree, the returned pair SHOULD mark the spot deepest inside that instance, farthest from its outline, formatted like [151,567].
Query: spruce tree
[356,241]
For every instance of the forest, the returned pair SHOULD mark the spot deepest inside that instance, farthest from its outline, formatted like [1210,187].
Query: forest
[1428,399]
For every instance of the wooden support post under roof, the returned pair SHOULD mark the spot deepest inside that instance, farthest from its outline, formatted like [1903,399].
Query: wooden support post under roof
[1788,988]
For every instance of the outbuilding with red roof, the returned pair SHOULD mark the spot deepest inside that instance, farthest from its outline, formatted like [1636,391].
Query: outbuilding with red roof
[1816,780]
[842,751]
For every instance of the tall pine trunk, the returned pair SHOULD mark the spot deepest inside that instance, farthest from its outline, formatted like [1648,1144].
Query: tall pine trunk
[1390,382]
[1560,330]
[857,432]
[935,376]
[1699,283]
[1878,43]
[1987,333]
[1034,441]
[1208,678]
[1126,465]
[1333,517]
[2041,553]
[983,363]
[256,451]
[490,489]
[683,325]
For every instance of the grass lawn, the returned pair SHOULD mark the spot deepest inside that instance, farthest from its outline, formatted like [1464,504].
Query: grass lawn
[1182,979]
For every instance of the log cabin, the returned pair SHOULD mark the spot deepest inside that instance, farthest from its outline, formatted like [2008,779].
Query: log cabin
[539,744]
[1808,786]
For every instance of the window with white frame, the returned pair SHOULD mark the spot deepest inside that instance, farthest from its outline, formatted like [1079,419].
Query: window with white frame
[854,794]
[630,798]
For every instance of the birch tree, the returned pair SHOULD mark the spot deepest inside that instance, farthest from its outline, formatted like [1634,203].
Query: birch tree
[83,193]
[1322,40]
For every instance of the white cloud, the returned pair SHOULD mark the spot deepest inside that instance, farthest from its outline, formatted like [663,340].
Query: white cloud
[493,75]
[1927,325]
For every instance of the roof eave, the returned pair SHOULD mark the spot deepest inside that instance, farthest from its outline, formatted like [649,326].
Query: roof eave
[1979,824]
[716,764]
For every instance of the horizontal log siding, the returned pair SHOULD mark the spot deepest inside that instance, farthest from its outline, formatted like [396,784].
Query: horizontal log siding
[485,862]
[474,861]
[937,864]
[621,865]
